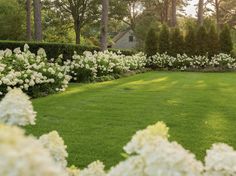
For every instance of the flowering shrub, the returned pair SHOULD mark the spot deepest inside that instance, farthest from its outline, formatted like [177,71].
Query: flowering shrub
[17,109]
[31,73]
[89,66]
[220,160]
[149,153]
[55,144]
[22,155]
[184,62]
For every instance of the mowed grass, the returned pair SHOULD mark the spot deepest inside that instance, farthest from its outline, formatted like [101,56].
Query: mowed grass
[97,120]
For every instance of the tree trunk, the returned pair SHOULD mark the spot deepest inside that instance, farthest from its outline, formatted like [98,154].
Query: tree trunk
[104,25]
[166,10]
[28,20]
[173,13]
[217,14]
[37,20]
[77,28]
[200,12]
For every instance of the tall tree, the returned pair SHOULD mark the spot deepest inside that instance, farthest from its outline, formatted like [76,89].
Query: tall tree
[177,42]
[217,9]
[158,8]
[151,45]
[28,20]
[213,41]
[104,25]
[80,11]
[173,13]
[200,12]
[224,12]
[37,20]
[134,9]
[164,40]
[201,41]
[190,42]
[226,44]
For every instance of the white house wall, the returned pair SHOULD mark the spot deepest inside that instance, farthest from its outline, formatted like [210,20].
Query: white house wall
[124,43]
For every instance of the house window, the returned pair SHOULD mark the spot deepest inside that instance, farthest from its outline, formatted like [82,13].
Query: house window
[131,38]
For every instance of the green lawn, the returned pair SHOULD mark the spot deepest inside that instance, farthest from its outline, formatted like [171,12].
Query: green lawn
[96,120]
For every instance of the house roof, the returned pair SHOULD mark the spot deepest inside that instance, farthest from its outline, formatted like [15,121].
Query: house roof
[120,35]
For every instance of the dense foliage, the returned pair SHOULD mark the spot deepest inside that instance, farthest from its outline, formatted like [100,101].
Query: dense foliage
[198,41]
[213,42]
[177,42]
[53,50]
[226,44]
[11,20]
[151,43]
[190,42]
[164,40]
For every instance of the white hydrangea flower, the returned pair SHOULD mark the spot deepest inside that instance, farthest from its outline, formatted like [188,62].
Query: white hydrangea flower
[8,53]
[55,144]
[133,166]
[73,171]
[145,136]
[16,109]
[24,156]
[17,51]
[166,158]
[26,47]
[94,169]
[220,161]
[41,52]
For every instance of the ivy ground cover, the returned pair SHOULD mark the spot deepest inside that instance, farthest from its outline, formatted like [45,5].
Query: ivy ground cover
[97,120]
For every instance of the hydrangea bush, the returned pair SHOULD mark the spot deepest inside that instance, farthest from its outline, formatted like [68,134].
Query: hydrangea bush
[184,62]
[31,72]
[149,152]
[90,65]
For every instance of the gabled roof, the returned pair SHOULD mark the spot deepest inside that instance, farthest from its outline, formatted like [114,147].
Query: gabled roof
[120,35]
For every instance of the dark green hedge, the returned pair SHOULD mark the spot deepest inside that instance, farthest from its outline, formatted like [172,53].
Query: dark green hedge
[53,50]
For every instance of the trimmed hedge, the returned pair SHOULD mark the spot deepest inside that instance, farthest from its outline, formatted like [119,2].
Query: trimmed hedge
[53,50]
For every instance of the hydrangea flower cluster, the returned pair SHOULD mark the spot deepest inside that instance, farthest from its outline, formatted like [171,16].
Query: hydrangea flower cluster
[220,161]
[184,62]
[31,73]
[146,136]
[55,144]
[88,66]
[155,155]
[22,155]
[17,109]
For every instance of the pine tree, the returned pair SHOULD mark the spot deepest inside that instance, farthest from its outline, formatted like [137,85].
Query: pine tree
[164,41]
[212,42]
[201,41]
[151,45]
[176,42]
[226,44]
[190,42]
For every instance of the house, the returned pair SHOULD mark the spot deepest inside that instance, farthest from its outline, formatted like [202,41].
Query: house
[124,40]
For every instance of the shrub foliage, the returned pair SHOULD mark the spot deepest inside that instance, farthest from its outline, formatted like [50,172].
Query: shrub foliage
[164,40]
[151,43]
[226,44]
